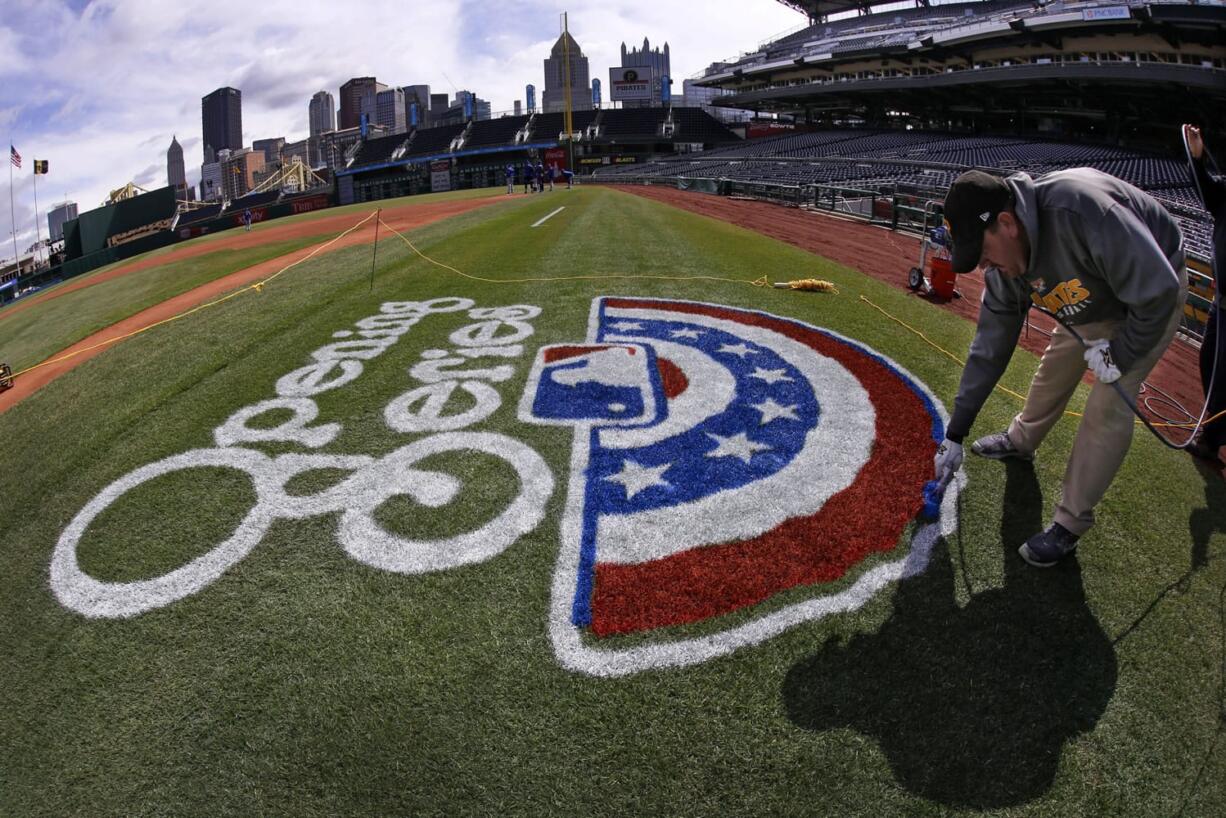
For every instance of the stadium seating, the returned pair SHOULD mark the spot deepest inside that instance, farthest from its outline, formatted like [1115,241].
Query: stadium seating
[491,132]
[696,125]
[378,150]
[643,122]
[201,214]
[923,161]
[255,200]
[548,126]
[433,140]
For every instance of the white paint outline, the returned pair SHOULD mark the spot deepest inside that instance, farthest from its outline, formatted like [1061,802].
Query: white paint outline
[358,496]
[374,482]
[833,453]
[573,654]
[544,219]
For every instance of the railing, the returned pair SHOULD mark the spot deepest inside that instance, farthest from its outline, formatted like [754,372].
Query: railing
[789,195]
[844,201]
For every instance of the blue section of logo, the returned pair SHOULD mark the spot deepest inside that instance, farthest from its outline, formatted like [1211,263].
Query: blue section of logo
[760,431]
[602,383]
[696,467]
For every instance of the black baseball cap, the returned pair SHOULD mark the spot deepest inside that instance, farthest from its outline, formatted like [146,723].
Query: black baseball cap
[972,204]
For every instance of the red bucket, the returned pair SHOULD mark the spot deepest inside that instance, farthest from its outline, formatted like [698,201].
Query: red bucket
[941,277]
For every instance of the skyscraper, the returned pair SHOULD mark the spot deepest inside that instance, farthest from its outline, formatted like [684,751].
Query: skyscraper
[658,62]
[271,148]
[176,173]
[221,113]
[322,113]
[390,110]
[419,94]
[56,217]
[358,96]
[596,92]
[530,98]
[554,98]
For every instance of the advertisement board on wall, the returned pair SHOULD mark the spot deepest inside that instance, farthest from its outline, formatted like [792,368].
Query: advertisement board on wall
[757,130]
[630,83]
[556,157]
[607,160]
[440,175]
[1107,13]
[306,205]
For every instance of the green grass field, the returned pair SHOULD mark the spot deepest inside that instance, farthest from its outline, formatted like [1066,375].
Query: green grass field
[305,682]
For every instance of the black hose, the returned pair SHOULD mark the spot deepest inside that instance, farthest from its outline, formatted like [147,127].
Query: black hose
[1128,401]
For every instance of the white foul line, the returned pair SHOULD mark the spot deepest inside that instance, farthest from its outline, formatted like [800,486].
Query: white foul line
[550,216]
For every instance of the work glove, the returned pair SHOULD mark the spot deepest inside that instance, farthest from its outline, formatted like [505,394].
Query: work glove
[1098,356]
[947,460]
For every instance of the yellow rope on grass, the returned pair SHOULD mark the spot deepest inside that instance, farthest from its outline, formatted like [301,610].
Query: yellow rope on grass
[1022,398]
[257,286]
[538,280]
[815,285]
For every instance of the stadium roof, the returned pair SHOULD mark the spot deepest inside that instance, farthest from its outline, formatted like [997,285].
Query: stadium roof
[820,9]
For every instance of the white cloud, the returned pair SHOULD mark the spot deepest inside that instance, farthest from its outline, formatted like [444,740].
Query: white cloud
[102,96]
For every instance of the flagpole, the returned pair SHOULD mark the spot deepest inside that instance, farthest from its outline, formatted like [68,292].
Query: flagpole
[569,123]
[13,212]
[38,234]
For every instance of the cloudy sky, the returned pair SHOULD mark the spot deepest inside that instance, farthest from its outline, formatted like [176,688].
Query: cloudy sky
[98,88]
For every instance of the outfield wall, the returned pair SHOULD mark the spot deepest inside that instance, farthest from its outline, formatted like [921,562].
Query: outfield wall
[121,223]
[234,218]
[82,263]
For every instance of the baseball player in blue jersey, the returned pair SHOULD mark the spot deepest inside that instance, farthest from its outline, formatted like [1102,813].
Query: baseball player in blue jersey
[510,178]
[528,177]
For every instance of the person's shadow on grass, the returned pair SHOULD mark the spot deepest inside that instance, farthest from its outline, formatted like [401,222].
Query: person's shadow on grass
[971,706]
[1203,522]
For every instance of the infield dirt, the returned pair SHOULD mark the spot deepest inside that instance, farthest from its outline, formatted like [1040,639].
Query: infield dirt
[404,218]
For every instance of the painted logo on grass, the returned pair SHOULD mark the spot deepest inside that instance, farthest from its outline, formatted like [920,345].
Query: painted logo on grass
[726,464]
[722,457]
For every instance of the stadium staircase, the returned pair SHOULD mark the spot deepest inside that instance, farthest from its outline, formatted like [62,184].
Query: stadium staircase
[457,144]
[525,133]
[592,132]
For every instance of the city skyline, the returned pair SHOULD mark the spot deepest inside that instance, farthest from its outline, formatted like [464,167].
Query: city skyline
[103,96]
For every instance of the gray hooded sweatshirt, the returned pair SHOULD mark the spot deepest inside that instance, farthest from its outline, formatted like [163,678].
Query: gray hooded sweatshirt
[1100,249]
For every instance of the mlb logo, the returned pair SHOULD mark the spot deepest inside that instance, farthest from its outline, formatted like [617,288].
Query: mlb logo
[732,474]
[609,384]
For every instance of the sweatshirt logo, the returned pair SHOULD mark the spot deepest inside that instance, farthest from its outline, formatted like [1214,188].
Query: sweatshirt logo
[1064,299]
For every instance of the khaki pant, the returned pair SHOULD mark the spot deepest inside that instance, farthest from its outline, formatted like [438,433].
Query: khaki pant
[1106,428]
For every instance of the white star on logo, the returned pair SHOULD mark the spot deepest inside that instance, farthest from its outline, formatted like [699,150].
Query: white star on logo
[692,334]
[626,326]
[636,478]
[738,445]
[740,350]
[770,375]
[771,411]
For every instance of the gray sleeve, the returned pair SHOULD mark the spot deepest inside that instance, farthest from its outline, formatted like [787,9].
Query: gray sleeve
[1001,316]
[1141,275]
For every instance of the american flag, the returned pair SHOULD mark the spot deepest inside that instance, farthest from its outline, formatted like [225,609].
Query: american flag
[14,156]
